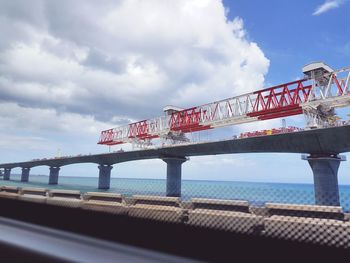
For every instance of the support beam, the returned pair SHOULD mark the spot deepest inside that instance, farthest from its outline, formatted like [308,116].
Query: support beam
[25,174]
[7,173]
[104,178]
[173,175]
[54,173]
[325,171]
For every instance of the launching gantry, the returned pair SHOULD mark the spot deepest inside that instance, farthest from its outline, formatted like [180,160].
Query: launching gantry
[316,95]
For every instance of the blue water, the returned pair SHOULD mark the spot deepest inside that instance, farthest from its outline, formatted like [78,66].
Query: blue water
[256,193]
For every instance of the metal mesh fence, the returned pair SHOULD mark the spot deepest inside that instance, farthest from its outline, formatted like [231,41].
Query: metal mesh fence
[281,211]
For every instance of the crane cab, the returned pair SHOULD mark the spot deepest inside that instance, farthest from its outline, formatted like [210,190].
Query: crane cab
[319,71]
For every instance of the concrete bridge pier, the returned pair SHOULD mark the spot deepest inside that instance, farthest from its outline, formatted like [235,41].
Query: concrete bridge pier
[53,177]
[7,173]
[325,170]
[25,174]
[173,175]
[104,178]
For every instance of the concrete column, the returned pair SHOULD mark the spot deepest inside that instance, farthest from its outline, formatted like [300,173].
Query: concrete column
[104,178]
[25,174]
[325,170]
[173,175]
[7,173]
[53,177]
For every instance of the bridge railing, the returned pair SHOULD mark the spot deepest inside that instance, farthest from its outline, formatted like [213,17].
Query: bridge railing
[280,213]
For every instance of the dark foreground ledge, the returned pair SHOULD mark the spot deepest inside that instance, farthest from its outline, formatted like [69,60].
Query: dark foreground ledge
[23,241]
[176,239]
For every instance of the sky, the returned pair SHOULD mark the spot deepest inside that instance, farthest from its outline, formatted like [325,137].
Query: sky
[69,69]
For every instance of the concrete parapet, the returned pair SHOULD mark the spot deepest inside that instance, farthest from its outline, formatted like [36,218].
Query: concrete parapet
[313,211]
[326,225]
[173,179]
[54,173]
[225,220]
[259,211]
[108,197]
[31,194]
[299,207]
[314,230]
[66,198]
[228,215]
[105,202]
[10,189]
[10,192]
[75,194]
[219,204]
[347,216]
[104,178]
[157,208]
[33,191]
[156,200]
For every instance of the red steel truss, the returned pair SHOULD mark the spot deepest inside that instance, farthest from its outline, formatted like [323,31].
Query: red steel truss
[279,101]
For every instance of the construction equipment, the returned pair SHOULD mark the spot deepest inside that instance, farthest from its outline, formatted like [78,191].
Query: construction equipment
[316,95]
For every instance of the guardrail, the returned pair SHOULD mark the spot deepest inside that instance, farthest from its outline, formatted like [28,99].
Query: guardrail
[326,225]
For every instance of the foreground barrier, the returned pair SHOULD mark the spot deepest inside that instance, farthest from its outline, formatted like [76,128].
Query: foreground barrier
[313,211]
[66,198]
[10,192]
[315,224]
[105,202]
[224,214]
[156,208]
[326,225]
[37,195]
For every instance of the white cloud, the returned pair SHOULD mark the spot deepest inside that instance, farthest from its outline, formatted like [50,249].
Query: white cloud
[69,69]
[34,120]
[177,52]
[328,5]
[9,142]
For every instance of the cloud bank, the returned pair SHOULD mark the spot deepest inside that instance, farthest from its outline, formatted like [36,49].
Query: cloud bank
[77,67]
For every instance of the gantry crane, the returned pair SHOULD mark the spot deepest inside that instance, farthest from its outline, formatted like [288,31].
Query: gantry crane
[316,95]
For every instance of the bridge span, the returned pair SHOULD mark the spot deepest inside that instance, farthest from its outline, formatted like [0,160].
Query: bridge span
[323,147]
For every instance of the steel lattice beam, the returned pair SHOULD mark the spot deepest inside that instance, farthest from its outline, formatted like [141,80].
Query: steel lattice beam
[284,100]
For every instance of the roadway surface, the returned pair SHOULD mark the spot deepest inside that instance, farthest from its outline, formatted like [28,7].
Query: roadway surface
[332,140]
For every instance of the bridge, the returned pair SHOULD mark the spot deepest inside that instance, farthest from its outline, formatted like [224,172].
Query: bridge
[322,147]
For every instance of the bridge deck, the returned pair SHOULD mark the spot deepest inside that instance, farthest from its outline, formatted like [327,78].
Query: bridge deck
[318,141]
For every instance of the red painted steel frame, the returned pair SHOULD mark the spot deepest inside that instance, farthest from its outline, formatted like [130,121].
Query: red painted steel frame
[274,102]
[280,101]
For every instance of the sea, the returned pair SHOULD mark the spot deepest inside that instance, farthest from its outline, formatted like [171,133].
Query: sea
[257,193]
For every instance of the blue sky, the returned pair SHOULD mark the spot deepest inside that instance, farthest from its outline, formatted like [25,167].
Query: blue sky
[64,78]
[291,36]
